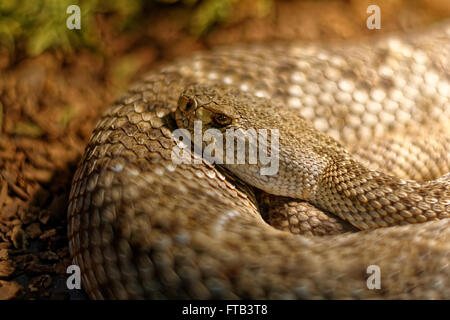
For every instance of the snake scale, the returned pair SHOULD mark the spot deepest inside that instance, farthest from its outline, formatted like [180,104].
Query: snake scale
[363,135]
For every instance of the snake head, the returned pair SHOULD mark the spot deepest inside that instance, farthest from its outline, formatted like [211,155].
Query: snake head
[259,141]
[211,106]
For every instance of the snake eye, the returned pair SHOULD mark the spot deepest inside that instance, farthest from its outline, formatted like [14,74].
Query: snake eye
[221,119]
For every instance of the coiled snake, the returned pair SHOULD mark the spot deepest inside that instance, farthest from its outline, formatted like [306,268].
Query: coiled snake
[142,226]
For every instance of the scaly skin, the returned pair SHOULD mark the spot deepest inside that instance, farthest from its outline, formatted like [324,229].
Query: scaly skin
[312,166]
[141,227]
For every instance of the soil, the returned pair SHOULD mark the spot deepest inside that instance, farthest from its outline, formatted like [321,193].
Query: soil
[51,103]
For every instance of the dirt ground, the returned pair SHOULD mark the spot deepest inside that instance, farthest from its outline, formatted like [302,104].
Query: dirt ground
[51,102]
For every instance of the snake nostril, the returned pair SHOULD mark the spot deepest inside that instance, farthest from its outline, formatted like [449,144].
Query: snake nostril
[186,104]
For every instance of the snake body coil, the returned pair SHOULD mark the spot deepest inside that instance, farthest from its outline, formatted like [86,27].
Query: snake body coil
[142,227]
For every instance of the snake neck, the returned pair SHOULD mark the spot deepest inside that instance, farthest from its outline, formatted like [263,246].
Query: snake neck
[371,199]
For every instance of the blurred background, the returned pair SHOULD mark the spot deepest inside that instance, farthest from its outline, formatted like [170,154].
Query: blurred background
[55,82]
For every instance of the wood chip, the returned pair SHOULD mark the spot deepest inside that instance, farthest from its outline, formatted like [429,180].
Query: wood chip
[40,175]
[9,290]
[9,211]
[19,237]
[33,230]
[4,254]
[48,234]
[7,268]
[28,215]
[40,282]
[3,192]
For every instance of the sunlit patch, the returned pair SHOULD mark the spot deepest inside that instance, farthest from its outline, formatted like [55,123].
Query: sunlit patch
[294,102]
[298,77]
[117,168]
[295,90]
[261,94]
[228,80]
[346,85]
[224,219]
[244,87]
[212,76]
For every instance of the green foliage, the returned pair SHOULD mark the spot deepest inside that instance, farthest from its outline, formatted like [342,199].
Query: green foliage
[206,13]
[67,114]
[209,12]
[41,24]
[29,129]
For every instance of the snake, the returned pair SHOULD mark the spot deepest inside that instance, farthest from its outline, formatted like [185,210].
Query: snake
[362,181]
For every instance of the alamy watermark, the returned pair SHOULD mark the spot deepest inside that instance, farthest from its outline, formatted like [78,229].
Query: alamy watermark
[241,147]
[374,20]
[74,279]
[74,20]
[374,280]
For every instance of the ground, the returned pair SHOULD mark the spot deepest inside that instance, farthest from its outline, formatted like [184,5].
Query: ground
[49,105]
